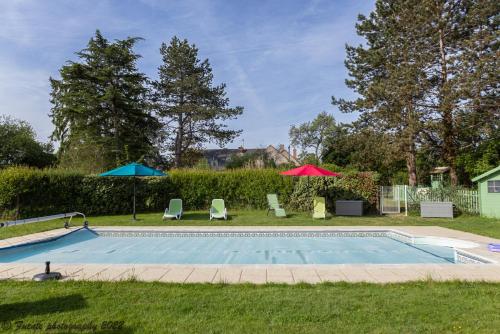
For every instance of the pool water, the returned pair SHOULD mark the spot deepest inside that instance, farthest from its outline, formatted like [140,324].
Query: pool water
[84,246]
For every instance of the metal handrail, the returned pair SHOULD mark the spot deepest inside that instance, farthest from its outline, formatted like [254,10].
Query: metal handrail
[45,218]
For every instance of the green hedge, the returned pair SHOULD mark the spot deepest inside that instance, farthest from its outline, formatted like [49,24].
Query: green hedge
[39,192]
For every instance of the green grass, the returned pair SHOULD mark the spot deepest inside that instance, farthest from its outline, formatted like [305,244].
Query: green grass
[423,307]
[473,224]
[418,307]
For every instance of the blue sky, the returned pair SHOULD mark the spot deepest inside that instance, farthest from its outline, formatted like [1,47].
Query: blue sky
[281,60]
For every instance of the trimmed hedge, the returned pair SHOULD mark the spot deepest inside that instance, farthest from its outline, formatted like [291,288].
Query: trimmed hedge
[40,192]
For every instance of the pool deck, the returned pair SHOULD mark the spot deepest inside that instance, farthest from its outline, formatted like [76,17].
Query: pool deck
[261,274]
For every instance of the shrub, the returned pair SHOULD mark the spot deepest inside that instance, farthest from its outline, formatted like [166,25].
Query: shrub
[32,192]
[350,186]
[36,192]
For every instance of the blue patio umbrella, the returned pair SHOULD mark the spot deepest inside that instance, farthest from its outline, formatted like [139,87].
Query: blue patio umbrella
[134,169]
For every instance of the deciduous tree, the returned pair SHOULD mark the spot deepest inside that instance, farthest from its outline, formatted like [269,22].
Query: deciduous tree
[19,145]
[312,135]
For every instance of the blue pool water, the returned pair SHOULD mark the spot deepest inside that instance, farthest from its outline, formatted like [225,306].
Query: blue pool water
[84,246]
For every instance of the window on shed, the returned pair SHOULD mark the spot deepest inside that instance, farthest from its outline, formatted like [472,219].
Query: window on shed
[494,186]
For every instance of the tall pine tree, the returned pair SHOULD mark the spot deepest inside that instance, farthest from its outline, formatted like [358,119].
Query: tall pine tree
[388,74]
[100,110]
[461,45]
[428,75]
[478,115]
[444,30]
[191,108]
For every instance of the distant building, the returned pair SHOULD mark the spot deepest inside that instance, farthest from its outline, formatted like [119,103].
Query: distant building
[281,156]
[219,158]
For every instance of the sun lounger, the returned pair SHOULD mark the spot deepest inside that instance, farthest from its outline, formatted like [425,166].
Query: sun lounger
[273,204]
[319,208]
[174,209]
[218,209]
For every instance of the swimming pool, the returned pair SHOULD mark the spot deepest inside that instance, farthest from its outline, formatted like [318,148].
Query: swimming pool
[230,247]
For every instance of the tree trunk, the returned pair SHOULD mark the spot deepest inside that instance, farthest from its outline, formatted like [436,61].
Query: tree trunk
[179,138]
[411,165]
[446,108]
[178,143]
[411,135]
[116,135]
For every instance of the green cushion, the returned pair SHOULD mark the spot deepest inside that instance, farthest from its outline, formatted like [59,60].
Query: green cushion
[272,201]
[280,212]
[174,207]
[319,207]
[217,208]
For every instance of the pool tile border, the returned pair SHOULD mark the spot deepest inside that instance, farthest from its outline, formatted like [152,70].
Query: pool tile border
[292,234]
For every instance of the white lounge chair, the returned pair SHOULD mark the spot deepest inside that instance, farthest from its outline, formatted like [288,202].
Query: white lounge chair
[218,209]
[174,209]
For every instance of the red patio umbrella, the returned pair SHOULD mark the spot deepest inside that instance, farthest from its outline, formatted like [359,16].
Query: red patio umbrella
[309,170]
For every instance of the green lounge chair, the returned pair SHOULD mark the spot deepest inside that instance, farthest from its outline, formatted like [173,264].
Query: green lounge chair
[319,208]
[273,204]
[174,209]
[218,209]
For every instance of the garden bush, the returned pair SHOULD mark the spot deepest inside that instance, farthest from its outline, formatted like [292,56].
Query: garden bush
[27,192]
[350,186]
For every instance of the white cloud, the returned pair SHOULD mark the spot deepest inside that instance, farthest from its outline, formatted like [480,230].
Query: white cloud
[14,22]
[281,63]
[210,28]
[24,94]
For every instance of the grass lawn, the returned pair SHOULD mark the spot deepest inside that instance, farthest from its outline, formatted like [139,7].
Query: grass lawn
[474,224]
[423,307]
[140,307]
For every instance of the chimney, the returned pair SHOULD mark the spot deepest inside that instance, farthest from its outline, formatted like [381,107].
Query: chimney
[282,147]
[294,153]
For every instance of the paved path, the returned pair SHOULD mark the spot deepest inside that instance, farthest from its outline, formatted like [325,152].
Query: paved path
[261,274]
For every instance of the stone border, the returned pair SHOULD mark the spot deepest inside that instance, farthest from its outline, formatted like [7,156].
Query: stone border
[36,237]
[42,239]
[259,274]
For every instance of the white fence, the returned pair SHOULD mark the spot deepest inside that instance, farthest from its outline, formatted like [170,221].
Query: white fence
[465,200]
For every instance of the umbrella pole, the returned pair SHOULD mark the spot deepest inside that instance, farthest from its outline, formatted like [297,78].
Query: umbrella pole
[134,202]
[310,192]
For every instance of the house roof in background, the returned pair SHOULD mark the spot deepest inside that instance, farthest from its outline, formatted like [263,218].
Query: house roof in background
[440,170]
[229,151]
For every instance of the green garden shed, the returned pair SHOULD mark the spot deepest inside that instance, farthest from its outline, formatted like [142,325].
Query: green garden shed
[489,193]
